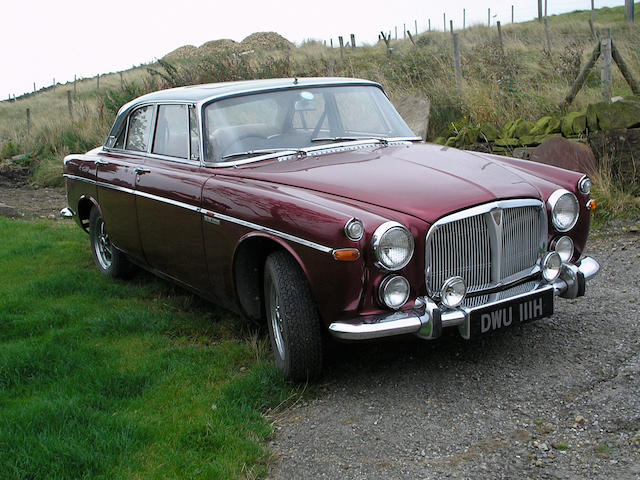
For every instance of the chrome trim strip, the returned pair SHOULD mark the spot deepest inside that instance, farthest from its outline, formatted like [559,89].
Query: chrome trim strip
[67,213]
[208,213]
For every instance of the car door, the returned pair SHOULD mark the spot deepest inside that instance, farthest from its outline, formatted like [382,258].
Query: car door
[169,192]
[116,179]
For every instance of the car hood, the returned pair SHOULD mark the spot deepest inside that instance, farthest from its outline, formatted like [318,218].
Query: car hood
[423,180]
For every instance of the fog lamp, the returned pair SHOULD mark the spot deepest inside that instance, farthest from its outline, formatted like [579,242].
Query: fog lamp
[551,266]
[564,247]
[453,292]
[394,291]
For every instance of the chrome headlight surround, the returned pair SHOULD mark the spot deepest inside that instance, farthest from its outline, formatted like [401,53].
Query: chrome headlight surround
[388,237]
[354,229]
[551,266]
[564,246]
[394,291]
[564,209]
[584,185]
[453,292]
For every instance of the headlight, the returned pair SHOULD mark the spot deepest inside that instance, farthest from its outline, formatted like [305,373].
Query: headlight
[584,185]
[564,210]
[392,245]
[394,291]
[564,247]
[453,292]
[551,266]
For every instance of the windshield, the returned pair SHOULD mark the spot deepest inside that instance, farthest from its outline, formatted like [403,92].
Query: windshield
[297,118]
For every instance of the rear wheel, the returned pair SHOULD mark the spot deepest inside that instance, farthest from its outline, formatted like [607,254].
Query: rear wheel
[292,317]
[109,260]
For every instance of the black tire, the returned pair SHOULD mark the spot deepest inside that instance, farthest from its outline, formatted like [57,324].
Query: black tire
[109,260]
[292,318]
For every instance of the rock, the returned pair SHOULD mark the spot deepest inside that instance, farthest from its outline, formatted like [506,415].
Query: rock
[611,116]
[415,109]
[519,128]
[579,419]
[7,211]
[592,117]
[489,132]
[567,154]
[574,123]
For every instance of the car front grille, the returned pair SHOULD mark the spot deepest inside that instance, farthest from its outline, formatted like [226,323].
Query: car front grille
[489,246]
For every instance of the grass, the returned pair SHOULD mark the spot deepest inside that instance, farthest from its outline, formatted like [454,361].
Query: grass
[105,379]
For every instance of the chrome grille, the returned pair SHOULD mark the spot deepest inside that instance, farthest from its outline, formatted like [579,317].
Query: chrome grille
[487,245]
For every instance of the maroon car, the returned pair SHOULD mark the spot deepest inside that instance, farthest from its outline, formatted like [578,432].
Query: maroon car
[311,204]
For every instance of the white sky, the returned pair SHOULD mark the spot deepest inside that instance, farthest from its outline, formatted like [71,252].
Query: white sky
[41,40]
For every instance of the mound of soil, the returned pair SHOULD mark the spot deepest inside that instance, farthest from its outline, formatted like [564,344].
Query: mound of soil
[186,51]
[218,46]
[265,41]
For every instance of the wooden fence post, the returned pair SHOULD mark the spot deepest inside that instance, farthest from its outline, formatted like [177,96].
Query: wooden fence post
[54,84]
[540,10]
[331,42]
[74,84]
[593,30]
[353,42]
[546,31]
[70,104]
[341,42]
[605,73]
[511,13]
[28,121]
[451,26]
[429,24]
[500,37]
[416,25]
[98,83]
[404,31]
[582,76]
[121,82]
[464,18]
[396,30]
[411,38]
[34,87]
[624,69]
[444,22]
[489,17]
[456,58]
[628,11]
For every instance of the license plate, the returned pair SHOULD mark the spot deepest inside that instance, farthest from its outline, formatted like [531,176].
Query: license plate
[498,316]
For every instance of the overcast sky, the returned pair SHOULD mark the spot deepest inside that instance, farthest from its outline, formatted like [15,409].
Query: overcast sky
[41,40]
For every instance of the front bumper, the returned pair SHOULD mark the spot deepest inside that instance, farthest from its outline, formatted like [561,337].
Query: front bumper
[427,320]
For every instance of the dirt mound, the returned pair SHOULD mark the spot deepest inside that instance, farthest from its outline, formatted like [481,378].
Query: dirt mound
[218,46]
[186,51]
[265,41]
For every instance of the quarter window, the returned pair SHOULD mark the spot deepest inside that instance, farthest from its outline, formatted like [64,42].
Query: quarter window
[172,134]
[194,134]
[140,129]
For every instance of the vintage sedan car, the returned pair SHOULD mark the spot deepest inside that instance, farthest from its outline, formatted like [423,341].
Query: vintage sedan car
[308,203]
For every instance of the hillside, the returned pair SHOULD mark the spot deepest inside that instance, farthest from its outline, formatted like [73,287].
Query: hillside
[522,79]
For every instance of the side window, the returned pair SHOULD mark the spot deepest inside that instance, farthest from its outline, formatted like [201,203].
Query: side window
[140,129]
[194,133]
[171,131]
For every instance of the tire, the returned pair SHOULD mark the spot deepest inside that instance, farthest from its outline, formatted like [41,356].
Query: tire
[292,318]
[109,260]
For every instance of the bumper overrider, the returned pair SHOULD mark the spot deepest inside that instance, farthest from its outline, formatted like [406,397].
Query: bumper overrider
[427,319]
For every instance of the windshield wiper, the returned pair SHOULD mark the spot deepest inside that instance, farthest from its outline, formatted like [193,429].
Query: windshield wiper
[262,151]
[380,140]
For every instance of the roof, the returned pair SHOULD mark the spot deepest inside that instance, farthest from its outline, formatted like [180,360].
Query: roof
[211,91]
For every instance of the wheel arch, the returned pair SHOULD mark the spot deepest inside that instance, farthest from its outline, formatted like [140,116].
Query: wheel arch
[248,270]
[85,204]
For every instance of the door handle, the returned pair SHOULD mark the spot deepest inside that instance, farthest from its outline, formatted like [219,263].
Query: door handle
[101,162]
[141,171]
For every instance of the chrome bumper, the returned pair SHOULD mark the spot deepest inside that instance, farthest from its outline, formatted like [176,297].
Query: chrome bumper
[67,213]
[427,320]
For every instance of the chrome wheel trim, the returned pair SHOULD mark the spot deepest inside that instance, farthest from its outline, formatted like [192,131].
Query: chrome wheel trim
[103,248]
[276,321]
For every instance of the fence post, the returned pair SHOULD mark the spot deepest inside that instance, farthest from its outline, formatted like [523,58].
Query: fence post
[70,104]
[28,121]
[396,30]
[500,37]
[341,42]
[546,31]
[593,30]
[464,18]
[54,84]
[444,22]
[429,24]
[451,25]
[624,69]
[605,74]
[34,87]
[489,17]
[404,31]
[629,10]
[456,58]
[121,82]
[511,13]
[416,25]
[353,41]
[331,42]
[540,10]
[74,83]
[98,83]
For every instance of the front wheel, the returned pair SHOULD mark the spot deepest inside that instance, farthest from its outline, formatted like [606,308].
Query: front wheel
[109,260]
[292,317]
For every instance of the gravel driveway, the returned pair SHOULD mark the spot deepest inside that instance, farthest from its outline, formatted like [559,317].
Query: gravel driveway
[559,398]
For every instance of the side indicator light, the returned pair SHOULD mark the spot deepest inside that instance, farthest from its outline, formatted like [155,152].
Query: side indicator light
[592,204]
[346,254]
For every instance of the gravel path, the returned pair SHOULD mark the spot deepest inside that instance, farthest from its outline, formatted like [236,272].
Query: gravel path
[31,202]
[559,398]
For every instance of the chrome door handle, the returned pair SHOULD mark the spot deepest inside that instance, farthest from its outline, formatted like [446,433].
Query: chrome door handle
[102,162]
[141,171]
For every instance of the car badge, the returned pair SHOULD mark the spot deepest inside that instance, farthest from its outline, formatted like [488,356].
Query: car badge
[497,215]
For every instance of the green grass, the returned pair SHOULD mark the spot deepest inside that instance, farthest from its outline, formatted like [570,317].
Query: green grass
[106,379]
